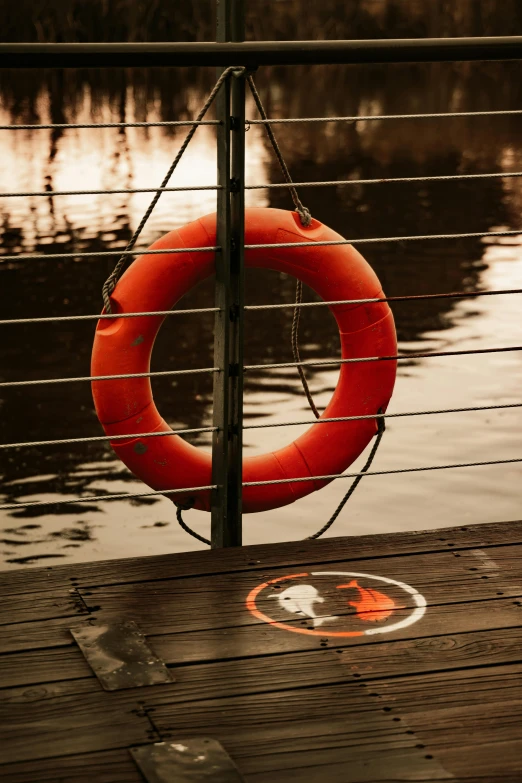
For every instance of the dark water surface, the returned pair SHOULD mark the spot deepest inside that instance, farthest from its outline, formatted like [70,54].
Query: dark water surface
[112,158]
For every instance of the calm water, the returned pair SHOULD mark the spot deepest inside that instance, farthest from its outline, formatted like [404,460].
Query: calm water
[110,158]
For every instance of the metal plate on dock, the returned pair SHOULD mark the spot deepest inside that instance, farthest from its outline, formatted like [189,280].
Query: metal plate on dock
[119,655]
[186,761]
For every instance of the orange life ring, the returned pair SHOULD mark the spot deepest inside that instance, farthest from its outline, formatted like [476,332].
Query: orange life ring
[156,282]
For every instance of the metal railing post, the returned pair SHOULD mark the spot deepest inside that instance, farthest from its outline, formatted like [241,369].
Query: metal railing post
[227,442]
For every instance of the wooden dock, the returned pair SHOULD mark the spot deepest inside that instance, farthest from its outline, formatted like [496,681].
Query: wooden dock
[378,658]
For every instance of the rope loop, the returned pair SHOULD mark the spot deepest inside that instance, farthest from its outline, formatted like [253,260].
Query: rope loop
[180,507]
[304,214]
[112,280]
[381,427]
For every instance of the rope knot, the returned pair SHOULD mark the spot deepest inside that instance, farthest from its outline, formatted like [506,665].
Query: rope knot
[304,215]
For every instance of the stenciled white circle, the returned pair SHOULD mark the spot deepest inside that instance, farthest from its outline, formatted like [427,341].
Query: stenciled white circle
[418,598]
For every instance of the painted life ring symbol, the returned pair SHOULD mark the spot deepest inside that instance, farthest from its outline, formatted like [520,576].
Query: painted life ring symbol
[157,282]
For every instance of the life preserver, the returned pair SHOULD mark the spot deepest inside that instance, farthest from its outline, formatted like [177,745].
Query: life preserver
[156,282]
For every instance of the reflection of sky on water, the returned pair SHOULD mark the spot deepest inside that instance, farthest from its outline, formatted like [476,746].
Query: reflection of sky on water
[108,158]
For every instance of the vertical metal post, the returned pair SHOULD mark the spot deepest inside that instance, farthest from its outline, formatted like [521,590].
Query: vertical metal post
[227,443]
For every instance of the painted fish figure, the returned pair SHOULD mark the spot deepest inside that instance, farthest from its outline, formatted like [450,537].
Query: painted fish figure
[300,599]
[371,605]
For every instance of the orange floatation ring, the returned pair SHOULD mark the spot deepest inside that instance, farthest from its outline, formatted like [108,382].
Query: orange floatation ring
[157,282]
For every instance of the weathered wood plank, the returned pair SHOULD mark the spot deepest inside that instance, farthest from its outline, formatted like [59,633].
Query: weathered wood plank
[114,766]
[39,634]
[46,605]
[470,719]
[432,654]
[470,686]
[246,713]
[277,734]
[117,767]
[440,699]
[453,713]
[338,763]
[46,721]
[257,557]
[252,640]
[277,672]
[220,601]
[41,692]
[490,762]
[268,734]
[262,639]
[37,724]
[42,666]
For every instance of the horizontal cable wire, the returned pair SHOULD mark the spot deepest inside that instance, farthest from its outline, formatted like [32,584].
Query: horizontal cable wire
[329,362]
[374,240]
[107,253]
[157,374]
[98,438]
[382,472]
[364,241]
[375,117]
[293,305]
[248,367]
[109,192]
[379,416]
[130,496]
[292,120]
[384,180]
[452,295]
[69,125]
[104,316]
[265,185]
[94,498]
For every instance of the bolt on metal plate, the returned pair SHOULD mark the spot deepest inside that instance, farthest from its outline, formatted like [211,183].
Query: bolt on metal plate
[186,761]
[119,655]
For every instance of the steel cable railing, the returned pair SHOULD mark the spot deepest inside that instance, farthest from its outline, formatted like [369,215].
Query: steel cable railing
[124,376]
[250,367]
[272,366]
[385,117]
[376,240]
[270,185]
[279,306]
[93,125]
[188,490]
[109,192]
[107,253]
[265,246]
[383,181]
[278,121]
[265,425]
